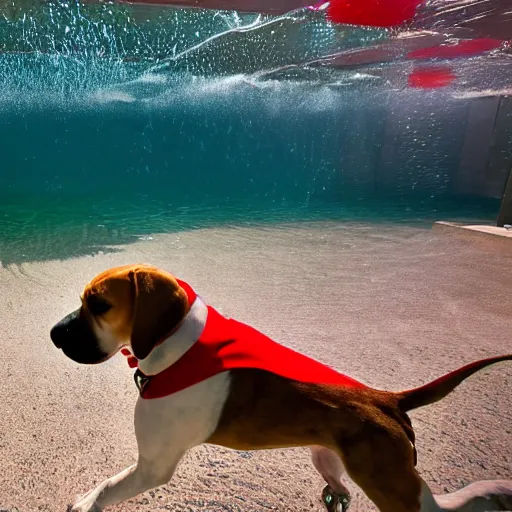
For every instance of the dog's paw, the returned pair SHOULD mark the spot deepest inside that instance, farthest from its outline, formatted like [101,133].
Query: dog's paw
[83,506]
[335,502]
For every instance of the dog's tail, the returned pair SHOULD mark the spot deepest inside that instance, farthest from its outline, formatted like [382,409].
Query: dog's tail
[441,387]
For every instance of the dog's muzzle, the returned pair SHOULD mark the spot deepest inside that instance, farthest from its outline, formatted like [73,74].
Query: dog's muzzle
[75,338]
[66,329]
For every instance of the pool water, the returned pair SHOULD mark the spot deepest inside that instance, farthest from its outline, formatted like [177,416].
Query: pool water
[119,122]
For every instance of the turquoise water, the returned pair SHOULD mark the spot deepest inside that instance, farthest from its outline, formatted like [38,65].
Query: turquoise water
[117,124]
[35,229]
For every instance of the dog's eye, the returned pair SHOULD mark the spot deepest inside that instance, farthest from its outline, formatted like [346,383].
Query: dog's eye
[97,305]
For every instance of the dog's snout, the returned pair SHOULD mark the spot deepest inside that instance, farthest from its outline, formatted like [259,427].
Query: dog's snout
[57,334]
[75,338]
[64,329]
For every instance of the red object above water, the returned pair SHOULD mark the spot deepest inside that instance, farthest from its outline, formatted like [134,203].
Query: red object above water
[372,13]
[431,78]
[463,49]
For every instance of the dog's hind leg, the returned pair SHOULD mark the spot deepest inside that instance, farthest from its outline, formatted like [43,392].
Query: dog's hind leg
[379,458]
[335,495]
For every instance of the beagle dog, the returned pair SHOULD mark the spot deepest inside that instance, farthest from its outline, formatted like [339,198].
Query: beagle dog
[205,378]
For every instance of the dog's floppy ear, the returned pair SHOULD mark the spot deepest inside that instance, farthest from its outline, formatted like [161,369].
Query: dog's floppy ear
[160,304]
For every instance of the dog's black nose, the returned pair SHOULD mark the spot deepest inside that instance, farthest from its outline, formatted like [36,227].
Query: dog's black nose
[62,331]
[56,334]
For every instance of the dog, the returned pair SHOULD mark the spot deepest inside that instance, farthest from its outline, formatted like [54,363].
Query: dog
[205,378]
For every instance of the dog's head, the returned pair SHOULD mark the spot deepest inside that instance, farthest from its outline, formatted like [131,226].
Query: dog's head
[135,305]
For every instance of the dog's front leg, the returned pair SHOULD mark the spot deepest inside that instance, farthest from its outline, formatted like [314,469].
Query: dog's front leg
[128,483]
[165,429]
[481,496]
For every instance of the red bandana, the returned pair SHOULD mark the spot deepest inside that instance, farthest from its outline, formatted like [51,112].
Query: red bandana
[226,344]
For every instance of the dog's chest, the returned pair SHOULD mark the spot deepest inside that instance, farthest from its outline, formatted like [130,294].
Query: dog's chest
[185,418]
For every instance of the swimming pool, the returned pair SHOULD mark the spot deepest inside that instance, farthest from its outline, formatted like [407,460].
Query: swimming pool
[291,170]
[154,119]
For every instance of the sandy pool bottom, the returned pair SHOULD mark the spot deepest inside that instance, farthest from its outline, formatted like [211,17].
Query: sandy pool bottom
[393,306]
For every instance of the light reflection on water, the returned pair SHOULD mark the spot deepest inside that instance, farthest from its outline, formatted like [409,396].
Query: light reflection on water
[68,47]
